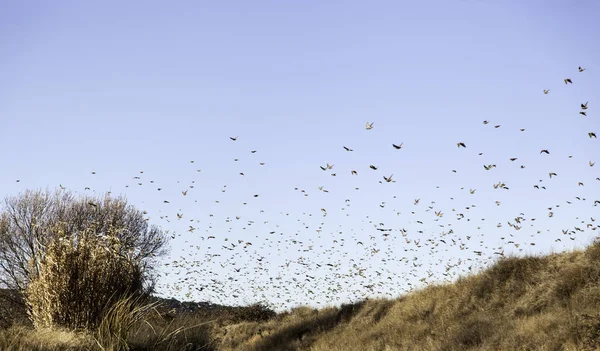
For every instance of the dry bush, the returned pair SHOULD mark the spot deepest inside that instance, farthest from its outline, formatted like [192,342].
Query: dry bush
[80,278]
[28,222]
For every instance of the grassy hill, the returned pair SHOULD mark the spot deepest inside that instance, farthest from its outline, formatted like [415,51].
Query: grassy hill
[529,303]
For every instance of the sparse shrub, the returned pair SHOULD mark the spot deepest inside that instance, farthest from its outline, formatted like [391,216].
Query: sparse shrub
[29,220]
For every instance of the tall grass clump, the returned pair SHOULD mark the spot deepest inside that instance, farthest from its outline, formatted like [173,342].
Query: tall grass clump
[80,279]
[119,320]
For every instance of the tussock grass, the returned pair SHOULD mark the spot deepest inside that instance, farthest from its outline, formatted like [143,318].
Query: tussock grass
[180,333]
[119,320]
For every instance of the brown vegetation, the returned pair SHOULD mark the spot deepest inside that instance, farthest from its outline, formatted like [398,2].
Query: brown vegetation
[79,278]
[84,290]
[527,303]
[31,220]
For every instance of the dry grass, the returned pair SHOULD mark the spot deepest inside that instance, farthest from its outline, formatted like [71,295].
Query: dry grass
[128,325]
[528,303]
[119,320]
[20,338]
[181,333]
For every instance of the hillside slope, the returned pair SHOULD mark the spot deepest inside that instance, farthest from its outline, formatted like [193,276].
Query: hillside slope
[529,303]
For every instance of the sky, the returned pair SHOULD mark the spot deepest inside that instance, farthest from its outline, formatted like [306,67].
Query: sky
[146,86]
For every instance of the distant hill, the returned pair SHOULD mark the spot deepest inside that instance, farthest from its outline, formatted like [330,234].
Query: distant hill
[174,308]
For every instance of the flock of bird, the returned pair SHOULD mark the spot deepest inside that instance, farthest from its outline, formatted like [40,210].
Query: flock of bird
[316,259]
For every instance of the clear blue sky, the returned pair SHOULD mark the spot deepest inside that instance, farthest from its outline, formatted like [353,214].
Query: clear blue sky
[122,87]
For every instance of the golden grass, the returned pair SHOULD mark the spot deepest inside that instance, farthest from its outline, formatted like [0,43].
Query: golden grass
[128,325]
[527,303]
[20,338]
[119,320]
